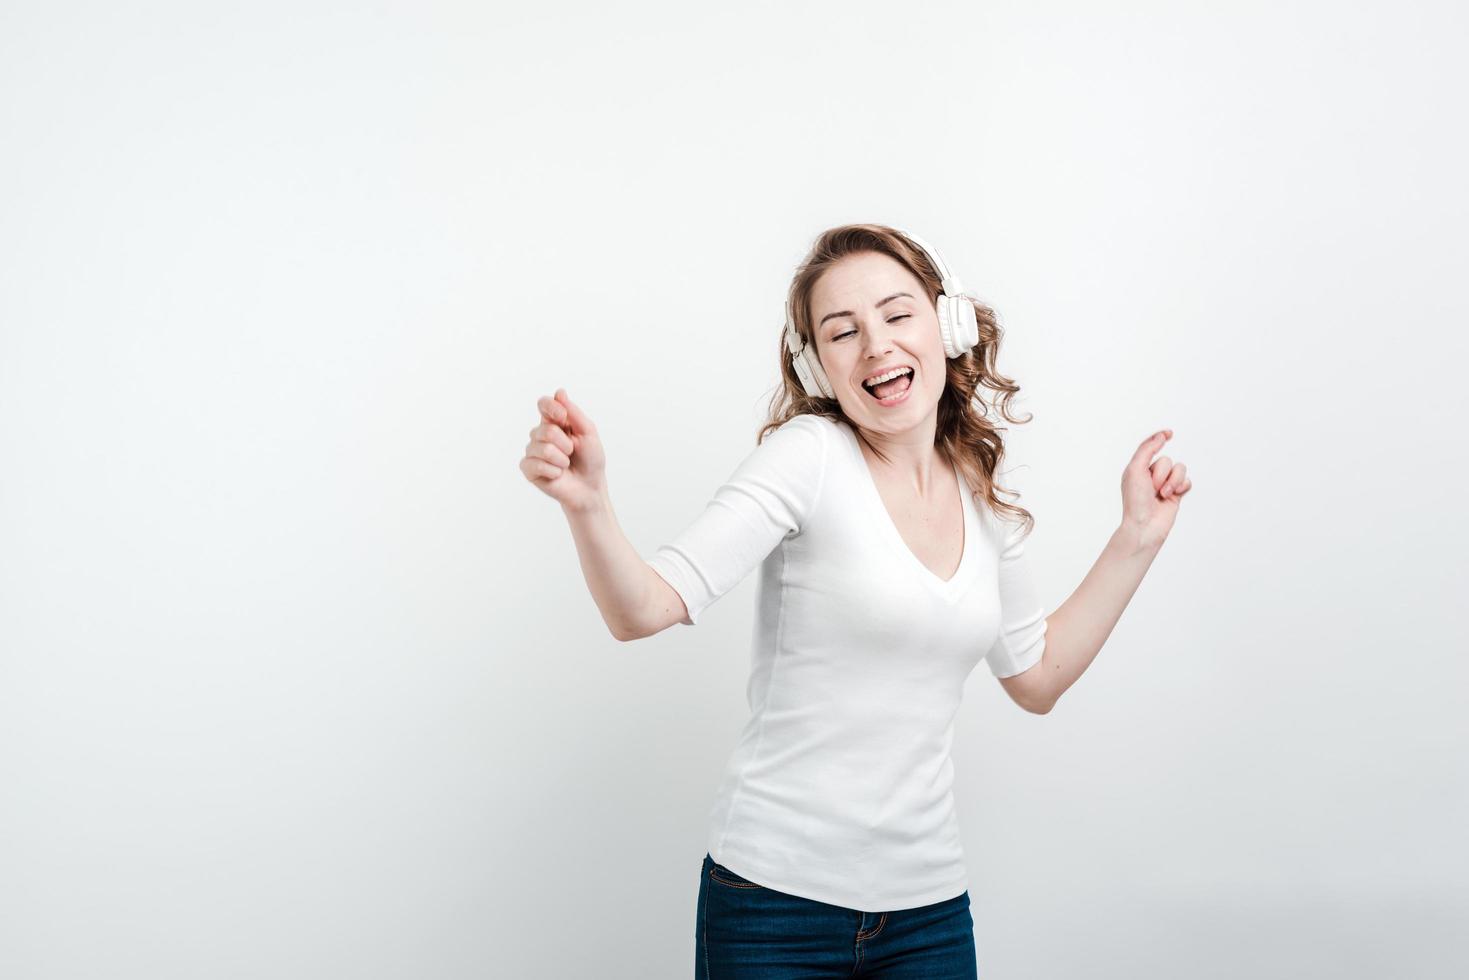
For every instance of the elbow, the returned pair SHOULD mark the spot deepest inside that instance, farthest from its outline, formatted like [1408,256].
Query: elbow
[1042,702]
[622,634]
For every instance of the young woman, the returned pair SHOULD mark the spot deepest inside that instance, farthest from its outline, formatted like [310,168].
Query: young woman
[889,568]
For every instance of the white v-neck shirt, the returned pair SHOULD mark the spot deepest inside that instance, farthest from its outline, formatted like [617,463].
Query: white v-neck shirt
[840,786]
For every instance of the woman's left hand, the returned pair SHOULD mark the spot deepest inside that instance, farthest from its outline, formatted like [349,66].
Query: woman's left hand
[1151,491]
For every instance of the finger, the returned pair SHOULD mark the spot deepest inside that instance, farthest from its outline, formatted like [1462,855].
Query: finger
[552,410]
[1149,446]
[539,469]
[548,452]
[579,420]
[1176,479]
[1159,471]
[555,435]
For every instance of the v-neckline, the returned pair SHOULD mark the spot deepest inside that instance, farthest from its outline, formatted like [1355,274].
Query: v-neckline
[948,588]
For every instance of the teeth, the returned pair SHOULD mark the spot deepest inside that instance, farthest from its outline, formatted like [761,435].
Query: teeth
[870,382]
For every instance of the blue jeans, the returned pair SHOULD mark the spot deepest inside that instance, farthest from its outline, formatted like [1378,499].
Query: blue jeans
[750,932]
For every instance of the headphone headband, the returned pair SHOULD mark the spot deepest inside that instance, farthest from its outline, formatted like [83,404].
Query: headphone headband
[948,282]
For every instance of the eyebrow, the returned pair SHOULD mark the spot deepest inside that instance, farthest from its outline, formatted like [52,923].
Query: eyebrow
[886,299]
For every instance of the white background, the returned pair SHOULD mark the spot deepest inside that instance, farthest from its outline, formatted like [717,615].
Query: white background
[299,676]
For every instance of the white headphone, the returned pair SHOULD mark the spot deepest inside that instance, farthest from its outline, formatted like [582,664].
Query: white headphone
[958,327]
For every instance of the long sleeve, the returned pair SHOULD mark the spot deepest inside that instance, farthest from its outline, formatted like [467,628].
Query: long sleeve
[1022,637]
[766,499]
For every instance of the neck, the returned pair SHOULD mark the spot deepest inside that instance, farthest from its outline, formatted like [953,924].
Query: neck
[912,457]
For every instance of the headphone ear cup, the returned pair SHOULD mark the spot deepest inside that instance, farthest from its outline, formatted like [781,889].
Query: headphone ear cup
[958,324]
[813,378]
[818,372]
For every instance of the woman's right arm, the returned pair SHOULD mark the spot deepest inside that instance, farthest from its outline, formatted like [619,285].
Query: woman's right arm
[633,598]
[565,460]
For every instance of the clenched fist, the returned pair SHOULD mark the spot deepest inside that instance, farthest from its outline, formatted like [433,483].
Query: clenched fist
[564,457]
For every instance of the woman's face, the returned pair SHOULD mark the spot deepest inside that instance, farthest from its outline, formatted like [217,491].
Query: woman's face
[871,314]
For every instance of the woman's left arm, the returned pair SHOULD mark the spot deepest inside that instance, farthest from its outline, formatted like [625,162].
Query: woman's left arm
[1076,631]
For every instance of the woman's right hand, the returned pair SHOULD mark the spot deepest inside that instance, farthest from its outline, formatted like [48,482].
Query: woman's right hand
[564,457]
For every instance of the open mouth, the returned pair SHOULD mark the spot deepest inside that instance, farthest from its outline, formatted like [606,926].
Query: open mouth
[893,389]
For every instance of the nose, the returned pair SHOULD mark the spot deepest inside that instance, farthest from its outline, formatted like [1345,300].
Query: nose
[879,342]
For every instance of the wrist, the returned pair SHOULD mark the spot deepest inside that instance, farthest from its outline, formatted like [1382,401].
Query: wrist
[598,502]
[1131,539]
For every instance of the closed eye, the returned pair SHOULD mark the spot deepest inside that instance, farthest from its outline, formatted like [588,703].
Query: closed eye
[900,316]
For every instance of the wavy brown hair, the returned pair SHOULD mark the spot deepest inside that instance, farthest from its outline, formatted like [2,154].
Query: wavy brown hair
[966,436]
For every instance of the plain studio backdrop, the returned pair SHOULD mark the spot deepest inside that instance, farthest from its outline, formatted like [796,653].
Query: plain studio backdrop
[299,676]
